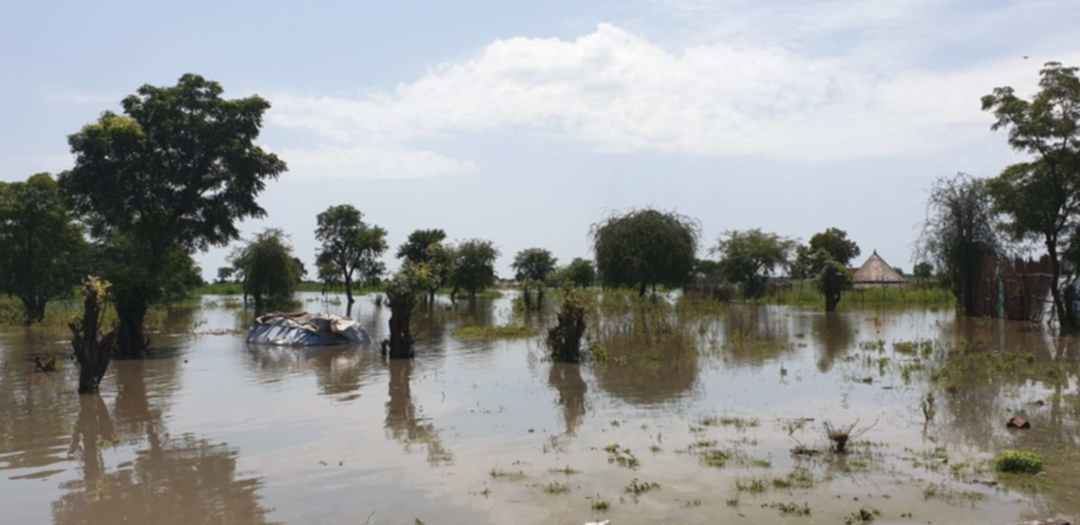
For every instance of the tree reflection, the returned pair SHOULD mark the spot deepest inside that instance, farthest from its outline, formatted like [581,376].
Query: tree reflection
[567,381]
[179,480]
[404,421]
[835,337]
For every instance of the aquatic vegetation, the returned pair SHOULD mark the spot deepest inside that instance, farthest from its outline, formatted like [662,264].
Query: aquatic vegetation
[491,333]
[752,486]
[839,436]
[1019,462]
[622,457]
[555,488]
[566,471]
[599,505]
[637,488]
[789,509]
[507,475]
[951,495]
[862,516]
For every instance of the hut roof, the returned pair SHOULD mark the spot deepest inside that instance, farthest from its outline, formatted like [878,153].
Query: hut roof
[876,270]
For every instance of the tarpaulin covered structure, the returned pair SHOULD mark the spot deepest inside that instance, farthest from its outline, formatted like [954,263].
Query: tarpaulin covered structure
[307,329]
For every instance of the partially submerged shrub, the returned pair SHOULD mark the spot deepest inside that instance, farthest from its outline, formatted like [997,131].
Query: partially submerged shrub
[1019,462]
[565,337]
[839,436]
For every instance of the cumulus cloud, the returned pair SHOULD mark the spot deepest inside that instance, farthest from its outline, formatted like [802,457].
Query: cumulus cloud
[617,91]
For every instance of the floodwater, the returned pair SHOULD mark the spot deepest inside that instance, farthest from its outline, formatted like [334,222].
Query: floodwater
[214,431]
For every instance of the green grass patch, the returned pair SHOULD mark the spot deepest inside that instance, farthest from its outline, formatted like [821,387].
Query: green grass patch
[1019,462]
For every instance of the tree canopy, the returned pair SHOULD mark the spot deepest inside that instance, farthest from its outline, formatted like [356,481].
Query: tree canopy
[267,269]
[176,171]
[1040,199]
[750,257]
[834,241]
[534,264]
[350,248]
[645,247]
[474,265]
[580,272]
[959,234]
[417,248]
[43,251]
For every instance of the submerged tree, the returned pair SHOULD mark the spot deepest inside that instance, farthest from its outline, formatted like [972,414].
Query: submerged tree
[401,293]
[350,248]
[268,270]
[750,257]
[564,338]
[832,279]
[836,244]
[176,172]
[93,349]
[645,247]
[534,267]
[474,266]
[42,250]
[1040,199]
[959,235]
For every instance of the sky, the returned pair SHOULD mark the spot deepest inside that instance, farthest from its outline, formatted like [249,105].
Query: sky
[526,122]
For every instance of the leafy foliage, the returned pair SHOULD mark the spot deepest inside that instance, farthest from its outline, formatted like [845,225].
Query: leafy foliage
[645,247]
[474,265]
[534,264]
[836,244]
[44,253]
[833,279]
[1040,199]
[564,338]
[580,272]
[350,248]
[401,295]
[959,233]
[750,257]
[1019,462]
[923,270]
[417,248]
[268,270]
[174,173]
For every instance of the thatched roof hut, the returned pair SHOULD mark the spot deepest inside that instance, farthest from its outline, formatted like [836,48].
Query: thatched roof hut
[876,273]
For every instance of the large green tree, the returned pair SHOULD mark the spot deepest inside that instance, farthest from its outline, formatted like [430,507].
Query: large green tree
[533,267]
[959,235]
[42,249]
[268,271]
[580,272]
[750,257]
[174,173]
[834,241]
[428,250]
[350,247]
[645,247]
[1040,198]
[832,279]
[474,266]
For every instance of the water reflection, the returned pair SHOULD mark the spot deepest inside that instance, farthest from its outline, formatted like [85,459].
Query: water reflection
[572,389]
[178,480]
[405,422]
[835,337]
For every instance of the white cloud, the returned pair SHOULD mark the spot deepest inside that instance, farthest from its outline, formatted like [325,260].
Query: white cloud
[620,92]
[358,162]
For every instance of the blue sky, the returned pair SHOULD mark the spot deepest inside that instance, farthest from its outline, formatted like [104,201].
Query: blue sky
[525,122]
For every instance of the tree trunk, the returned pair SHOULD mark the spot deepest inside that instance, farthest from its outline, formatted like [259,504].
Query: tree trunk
[1066,324]
[348,296]
[34,308]
[400,335]
[539,297]
[831,302]
[641,290]
[132,341]
[93,350]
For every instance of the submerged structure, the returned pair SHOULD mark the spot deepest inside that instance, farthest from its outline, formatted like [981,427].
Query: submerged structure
[307,329]
[876,273]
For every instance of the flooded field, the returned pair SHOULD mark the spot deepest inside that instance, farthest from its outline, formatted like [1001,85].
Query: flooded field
[721,419]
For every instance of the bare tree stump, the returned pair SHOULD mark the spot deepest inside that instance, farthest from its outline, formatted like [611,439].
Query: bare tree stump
[93,350]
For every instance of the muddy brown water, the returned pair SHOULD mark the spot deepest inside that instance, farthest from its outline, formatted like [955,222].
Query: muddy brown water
[211,430]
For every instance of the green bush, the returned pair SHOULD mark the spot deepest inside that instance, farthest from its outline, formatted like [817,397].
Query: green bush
[1017,461]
